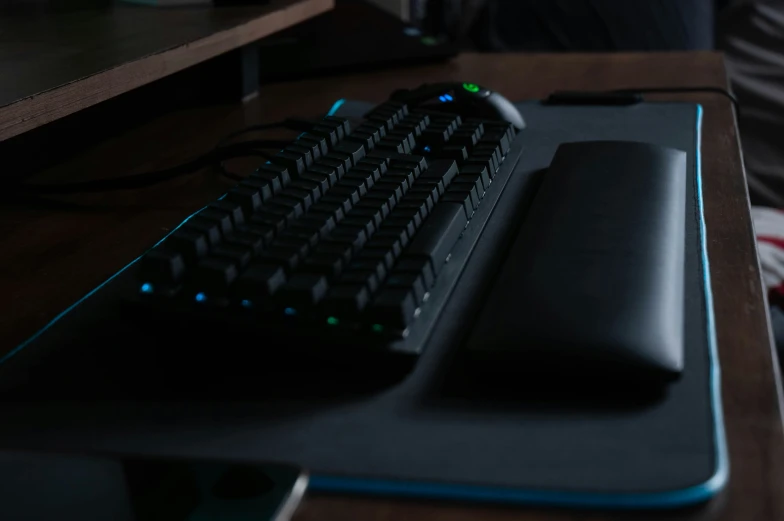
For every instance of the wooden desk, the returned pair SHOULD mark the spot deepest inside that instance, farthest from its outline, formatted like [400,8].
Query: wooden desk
[57,60]
[57,252]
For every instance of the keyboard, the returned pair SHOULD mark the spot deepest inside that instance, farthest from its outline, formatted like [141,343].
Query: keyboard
[342,238]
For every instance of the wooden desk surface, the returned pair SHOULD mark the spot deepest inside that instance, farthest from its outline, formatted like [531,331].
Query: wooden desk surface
[56,61]
[56,252]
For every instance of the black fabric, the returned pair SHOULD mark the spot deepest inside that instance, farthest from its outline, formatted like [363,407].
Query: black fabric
[595,25]
[425,428]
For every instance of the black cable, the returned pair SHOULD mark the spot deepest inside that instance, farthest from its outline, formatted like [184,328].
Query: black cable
[141,180]
[218,155]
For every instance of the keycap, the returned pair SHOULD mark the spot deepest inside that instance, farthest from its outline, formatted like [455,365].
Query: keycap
[249,199]
[317,145]
[262,178]
[159,266]
[478,170]
[369,130]
[295,194]
[337,245]
[408,281]
[356,237]
[303,290]
[342,160]
[398,175]
[322,224]
[275,217]
[221,219]
[462,198]
[328,133]
[354,150]
[294,163]
[287,205]
[444,169]
[213,275]
[233,210]
[234,252]
[258,281]
[349,189]
[342,125]
[297,233]
[262,187]
[419,266]
[438,234]
[251,241]
[313,189]
[328,264]
[331,167]
[394,307]
[263,231]
[206,227]
[336,210]
[456,152]
[275,171]
[347,299]
[285,256]
[292,243]
[363,223]
[366,278]
[371,265]
[315,181]
[393,145]
[363,138]
[354,183]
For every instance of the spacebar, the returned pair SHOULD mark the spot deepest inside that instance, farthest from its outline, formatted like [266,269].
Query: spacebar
[439,234]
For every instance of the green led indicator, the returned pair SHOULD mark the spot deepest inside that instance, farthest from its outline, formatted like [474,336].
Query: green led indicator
[333,321]
[378,328]
[471,87]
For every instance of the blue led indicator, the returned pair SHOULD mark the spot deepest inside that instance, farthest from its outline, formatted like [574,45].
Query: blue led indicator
[247,303]
[426,149]
[200,297]
[448,97]
[146,288]
[442,98]
[290,311]
[412,31]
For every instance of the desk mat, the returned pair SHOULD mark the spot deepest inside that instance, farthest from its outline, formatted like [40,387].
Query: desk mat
[406,439]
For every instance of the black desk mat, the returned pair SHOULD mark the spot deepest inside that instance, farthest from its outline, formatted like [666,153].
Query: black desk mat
[408,439]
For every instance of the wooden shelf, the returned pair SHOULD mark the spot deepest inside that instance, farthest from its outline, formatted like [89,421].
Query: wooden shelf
[57,62]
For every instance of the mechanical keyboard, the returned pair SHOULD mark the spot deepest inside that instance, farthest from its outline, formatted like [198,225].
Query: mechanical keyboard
[341,238]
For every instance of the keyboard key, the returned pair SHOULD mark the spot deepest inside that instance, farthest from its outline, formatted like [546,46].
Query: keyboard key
[340,124]
[394,308]
[354,150]
[287,205]
[443,169]
[336,210]
[161,267]
[303,290]
[267,182]
[206,227]
[249,199]
[322,182]
[313,189]
[263,231]
[250,241]
[363,138]
[456,152]
[221,219]
[418,266]
[285,256]
[356,237]
[439,234]
[259,281]
[462,198]
[294,163]
[316,145]
[338,246]
[328,264]
[333,168]
[213,275]
[262,187]
[479,170]
[365,178]
[276,171]
[233,210]
[236,253]
[347,299]
[408,281]
[327,133]
[340,159]
[366,278]
[318,223]
[371,131]
[303,197]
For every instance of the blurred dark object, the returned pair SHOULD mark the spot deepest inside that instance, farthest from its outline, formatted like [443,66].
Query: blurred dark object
[355,36]
[591,25]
